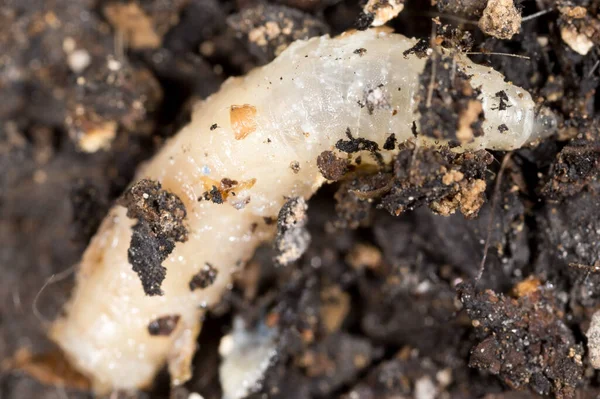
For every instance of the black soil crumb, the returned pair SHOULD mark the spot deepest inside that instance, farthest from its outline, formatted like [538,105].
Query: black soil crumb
[270,28]
[292,237]
[163,326]
[576,166]
[364,21]
[419,49]
[503,128]
[160,216]
[524,340]
[330,166]
[448,103]
[353,145]
[214,195]
[204,278]
[360,51]
[390,142]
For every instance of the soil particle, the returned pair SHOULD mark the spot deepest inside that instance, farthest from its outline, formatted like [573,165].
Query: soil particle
[468,8]
[448,104]
[444,180]
[569,233]
[307,5]
[593,343]
[353,145]
[330,166]
[295,167]
[576,167]
[382,11]
[500,19]
[143,24]
[579,29]
[163,326]
[214,195]
[524,340]
[108,96]
[204,278]
[390,142]
[419,49]
[354,198]
[398,272]
[160,225]
[292,237]
[270,28]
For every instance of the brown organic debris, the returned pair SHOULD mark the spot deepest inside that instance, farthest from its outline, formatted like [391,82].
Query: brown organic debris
[204,278]
[382,11]
[500,19]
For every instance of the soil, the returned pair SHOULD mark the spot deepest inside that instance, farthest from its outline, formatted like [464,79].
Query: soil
[379,296]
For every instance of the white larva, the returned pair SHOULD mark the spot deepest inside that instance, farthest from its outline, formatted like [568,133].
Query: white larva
[288,111]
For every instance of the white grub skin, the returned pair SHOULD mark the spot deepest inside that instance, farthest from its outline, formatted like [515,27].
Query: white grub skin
[288,111]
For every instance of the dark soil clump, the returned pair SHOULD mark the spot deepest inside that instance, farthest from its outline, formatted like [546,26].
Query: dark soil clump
[160,225]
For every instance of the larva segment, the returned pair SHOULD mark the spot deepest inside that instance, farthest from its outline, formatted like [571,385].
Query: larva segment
[301,105]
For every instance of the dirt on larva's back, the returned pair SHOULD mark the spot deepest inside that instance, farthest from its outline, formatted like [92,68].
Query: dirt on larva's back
[383,303]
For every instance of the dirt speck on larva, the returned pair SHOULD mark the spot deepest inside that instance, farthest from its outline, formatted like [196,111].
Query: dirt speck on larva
[330,166]
[204,278]
[164,325]
[160,225]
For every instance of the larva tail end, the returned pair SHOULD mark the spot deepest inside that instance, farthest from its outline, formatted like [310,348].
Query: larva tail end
[544,125]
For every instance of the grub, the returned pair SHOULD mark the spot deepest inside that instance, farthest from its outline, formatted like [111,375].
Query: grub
[500,19]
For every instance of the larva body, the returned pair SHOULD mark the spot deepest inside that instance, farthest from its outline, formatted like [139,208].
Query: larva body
[251,131]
